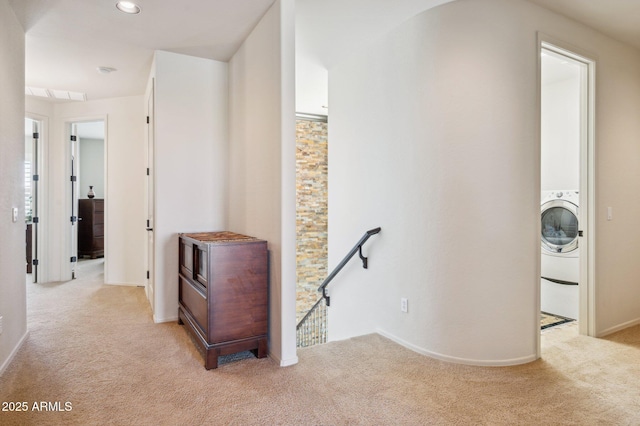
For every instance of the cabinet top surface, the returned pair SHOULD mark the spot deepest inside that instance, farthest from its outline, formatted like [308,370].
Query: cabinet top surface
[219,237]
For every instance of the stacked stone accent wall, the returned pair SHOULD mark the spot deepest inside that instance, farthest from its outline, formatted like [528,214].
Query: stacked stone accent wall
[312,211]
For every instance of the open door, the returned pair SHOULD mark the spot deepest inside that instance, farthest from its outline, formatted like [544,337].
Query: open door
[32,179]
[568,114]
[150,285]
[73,220]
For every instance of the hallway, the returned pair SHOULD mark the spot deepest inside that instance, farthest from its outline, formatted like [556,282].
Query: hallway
[95,347]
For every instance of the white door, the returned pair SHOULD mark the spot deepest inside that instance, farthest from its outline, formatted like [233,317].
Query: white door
[73,199]
[150,254]
[32,179]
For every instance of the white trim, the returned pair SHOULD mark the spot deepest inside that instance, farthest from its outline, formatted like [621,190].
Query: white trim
[587,310]
[618,327]
[13,353]
[44,265]
[283,362]
[159,320]
[457,360]
[124,284]
[67,122]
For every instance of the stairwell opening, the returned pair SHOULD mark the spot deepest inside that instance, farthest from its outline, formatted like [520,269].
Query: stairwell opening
[311,210]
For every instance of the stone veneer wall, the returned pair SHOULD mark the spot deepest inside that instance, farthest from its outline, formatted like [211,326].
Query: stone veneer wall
[312,211]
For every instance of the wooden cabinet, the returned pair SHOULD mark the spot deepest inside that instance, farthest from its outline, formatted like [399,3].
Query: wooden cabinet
[223,293]
[91,228]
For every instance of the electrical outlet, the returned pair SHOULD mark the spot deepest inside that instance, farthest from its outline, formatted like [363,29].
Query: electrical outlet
[404,305]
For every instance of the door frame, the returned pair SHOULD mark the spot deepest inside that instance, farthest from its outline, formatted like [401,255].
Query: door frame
[41,252]
[587,293]
[150,196]
[67,267]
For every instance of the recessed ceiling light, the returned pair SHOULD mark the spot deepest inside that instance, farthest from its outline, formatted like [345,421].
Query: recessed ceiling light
[128,7]
[106,70]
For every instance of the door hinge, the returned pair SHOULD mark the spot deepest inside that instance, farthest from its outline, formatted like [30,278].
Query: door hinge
[148,275]
[74,219]
[34,262]
[35,219]
[36,178]
[36,135]
[73,138]
[73,178]
[147,119]
[73,259]
[147,171]
[580,234]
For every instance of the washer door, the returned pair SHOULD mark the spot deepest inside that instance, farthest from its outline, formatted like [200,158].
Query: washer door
[559,226]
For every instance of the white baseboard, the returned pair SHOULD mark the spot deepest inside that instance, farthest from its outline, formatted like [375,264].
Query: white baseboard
[285,362]
[619,327]
[13,353]
[125,284]
[456,360]
[161,320]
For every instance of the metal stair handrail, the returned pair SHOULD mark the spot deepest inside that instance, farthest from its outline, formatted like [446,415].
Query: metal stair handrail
[347,258]
[312,328]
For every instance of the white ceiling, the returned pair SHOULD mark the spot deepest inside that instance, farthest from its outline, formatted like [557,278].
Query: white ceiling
[329,30]
[67,39]
[619,19]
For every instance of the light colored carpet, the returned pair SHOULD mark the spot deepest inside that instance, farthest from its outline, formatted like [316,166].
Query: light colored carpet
[96,347]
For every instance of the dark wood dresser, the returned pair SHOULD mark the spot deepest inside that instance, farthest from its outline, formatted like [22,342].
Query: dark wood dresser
[223,293]
[91,228]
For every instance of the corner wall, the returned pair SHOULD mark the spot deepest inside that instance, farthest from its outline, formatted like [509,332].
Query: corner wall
[435,138]
[191,138]
[262,187]
[13,300]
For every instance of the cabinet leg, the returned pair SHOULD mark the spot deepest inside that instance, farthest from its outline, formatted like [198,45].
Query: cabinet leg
[262,348]
[211,360]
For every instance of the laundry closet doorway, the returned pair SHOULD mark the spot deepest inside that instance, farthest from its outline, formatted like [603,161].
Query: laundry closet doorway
[567,83]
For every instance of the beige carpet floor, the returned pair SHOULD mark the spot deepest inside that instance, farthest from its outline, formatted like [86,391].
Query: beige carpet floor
[96,347]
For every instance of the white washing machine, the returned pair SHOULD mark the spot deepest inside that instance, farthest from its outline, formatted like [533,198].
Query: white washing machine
[560,260]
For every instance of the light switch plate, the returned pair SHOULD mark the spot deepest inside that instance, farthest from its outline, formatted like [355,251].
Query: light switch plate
[15,214]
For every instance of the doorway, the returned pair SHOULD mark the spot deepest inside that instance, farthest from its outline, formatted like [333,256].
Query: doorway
[150,198]
[567,147]
[87,190]
[32,197]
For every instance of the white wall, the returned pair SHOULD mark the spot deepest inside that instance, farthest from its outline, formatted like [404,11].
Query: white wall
[262,161]
[435,138]
[13,302]
[560,130]
[191,138]
[124,217]
[91,167]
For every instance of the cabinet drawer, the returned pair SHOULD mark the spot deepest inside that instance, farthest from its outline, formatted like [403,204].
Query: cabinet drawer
[98,218]
[98,205]
[98,230]
[194,301]
[98,243]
